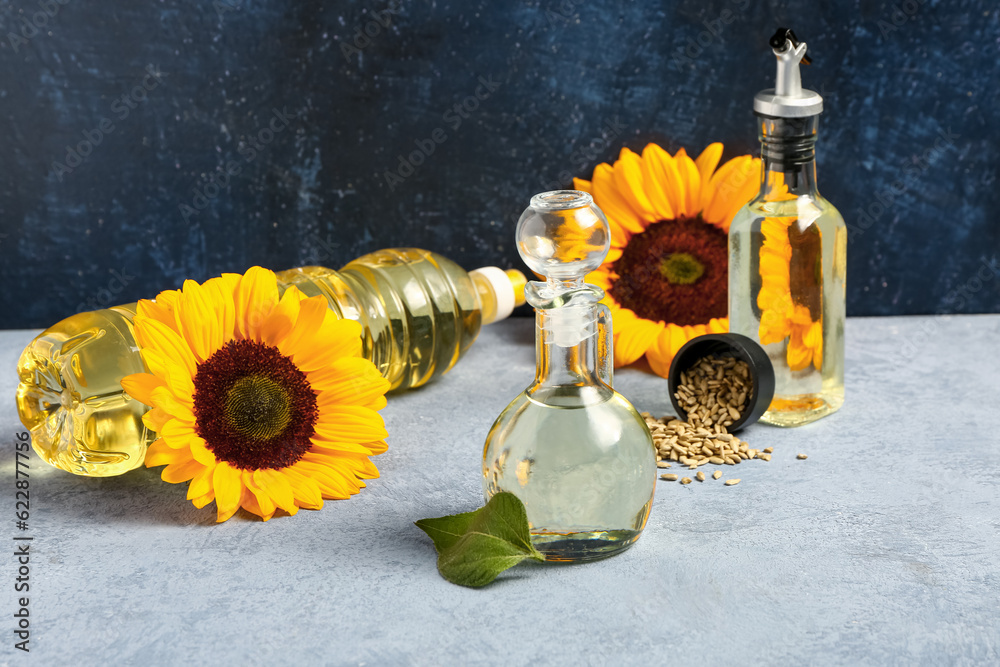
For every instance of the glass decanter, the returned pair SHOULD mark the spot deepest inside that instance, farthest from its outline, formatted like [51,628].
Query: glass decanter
[574,450]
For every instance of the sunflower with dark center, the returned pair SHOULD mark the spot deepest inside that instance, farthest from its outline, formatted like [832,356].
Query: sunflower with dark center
[666,276]
[261,401]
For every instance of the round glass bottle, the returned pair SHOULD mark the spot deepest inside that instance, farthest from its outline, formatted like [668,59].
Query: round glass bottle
[574,450]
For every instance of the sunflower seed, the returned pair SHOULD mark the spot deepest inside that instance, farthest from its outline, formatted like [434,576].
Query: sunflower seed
[686,480]
[700,476]
[801,457]
[669,477]
[732,482]
[662,464]
[717,474]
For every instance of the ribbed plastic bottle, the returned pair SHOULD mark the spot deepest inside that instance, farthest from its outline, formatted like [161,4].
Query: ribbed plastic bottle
[420,313]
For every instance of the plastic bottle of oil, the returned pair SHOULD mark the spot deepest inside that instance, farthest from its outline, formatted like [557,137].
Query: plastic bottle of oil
[574,450]
[420,313]
[787,254]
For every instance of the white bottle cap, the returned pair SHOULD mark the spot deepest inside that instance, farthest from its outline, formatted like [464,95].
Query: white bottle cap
[503,290]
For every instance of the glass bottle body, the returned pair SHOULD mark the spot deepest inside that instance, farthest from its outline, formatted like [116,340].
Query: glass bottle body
[787,266]
[574,450]
[420,313]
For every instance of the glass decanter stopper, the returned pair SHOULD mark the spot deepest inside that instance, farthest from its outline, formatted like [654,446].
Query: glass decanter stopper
[574,450]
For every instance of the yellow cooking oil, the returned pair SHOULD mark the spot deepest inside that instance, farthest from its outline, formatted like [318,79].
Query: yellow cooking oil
[420,313]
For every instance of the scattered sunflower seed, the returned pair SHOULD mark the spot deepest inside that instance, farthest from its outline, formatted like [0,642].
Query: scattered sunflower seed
[732,482]
[802,457]
[714,393]
[769,450]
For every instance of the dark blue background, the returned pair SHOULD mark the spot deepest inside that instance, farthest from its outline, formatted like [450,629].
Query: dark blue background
[572,76]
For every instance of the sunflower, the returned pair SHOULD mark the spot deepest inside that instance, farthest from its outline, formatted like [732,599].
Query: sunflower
[784,313]
[666,276]
[260,400]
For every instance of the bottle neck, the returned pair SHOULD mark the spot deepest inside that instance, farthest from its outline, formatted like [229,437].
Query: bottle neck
[562,362]
[788,157]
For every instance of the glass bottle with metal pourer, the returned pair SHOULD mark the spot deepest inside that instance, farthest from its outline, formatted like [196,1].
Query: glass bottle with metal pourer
[574,450]
[787,253]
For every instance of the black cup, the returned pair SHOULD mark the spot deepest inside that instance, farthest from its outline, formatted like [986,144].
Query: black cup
[728,345]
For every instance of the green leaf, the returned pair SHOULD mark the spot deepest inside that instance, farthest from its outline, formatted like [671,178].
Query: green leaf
[474,547]
[446,530]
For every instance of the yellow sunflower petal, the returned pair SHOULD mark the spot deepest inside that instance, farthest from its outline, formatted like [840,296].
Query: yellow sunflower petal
[140,386]
[313,312]
[377,447]
[692,182]
[730,185]
[155,361]
[718,325]
[197,321]
[166,401]
[277,488]
[249,502]
[178,434]
[582,185]
[653,180]
[707,162]
[228,490]
[264,503]
[320,445]
[334,340]
[158,310]
[168,342]
[201,501]
[223,289]
[176,473]
[349,423]
[281,320]
[155,419]
[798,355]
[200,452]
[306,491]
[613,203]
[662,352]
[350,381]
[160,454]
[201,483]
[332,486]
[632,341]
[331,473]
[255,297]
[630,183]
[670,180]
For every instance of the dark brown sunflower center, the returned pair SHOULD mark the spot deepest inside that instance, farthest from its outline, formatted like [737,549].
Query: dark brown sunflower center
[254,408]
[675,271]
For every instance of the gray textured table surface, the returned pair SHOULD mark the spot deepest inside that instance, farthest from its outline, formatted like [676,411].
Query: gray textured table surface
[882,548]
